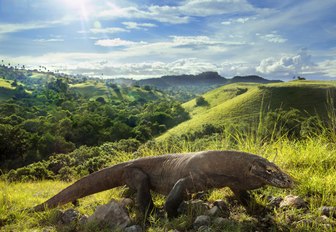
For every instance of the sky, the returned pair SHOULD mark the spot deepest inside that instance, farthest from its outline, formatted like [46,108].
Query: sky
[151,38]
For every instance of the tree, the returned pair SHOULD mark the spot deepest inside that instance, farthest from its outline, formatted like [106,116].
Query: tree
[200,101]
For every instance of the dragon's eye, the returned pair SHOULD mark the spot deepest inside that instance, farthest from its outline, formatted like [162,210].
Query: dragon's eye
[269,171]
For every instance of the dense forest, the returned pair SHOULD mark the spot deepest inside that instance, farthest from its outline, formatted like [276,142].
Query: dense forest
[45,116]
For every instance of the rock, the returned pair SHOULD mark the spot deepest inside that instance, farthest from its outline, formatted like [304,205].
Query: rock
[197,205]
[220,221]
[83,220]
[204,229]
[293,201]
[322,219]
[202,220]
[214,211]
[274,201]
[328,211]
[225,211]
[127,202]
[70,216]
[134,228]
[113,214]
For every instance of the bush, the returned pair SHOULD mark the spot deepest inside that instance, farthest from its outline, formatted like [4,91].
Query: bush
[200,101]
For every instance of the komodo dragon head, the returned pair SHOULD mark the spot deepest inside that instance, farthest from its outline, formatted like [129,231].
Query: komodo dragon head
[270,174]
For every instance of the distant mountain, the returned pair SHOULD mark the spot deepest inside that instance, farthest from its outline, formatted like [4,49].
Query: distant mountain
[205,78]
[252,78]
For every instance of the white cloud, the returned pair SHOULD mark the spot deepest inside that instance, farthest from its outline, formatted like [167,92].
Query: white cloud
[116,43]
[49,40]
[214,7]
[287,65]
[273,37]
[143,69]
[135,25]
[6,28]
[238,20]
[328,67]
[179,14]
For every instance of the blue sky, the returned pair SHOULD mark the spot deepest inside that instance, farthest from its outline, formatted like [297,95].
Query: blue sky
[147,38]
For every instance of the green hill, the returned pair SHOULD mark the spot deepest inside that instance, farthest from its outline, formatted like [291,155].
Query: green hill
[6,89]
[239,103]
[92,89]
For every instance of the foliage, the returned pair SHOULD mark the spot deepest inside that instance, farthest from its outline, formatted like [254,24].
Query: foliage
[200,101]
[310,161]
[54,118]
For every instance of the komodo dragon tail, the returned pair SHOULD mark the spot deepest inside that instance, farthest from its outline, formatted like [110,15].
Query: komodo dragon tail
[99,181]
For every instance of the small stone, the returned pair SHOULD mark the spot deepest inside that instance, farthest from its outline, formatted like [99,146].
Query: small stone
[293,201]
[197,205]
[214,211]
[70,216]
[113,214]
[134,228]
[274,201]
[83,220]
[220,221]
[203,229]
[127,202]
[225,211]
[328,211]
[322,218]
[202,220]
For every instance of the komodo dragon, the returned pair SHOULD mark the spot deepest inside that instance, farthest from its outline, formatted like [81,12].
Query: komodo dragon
[176,176]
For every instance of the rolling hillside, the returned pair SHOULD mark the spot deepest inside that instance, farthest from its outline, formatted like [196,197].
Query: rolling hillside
[6,89]
[238,103]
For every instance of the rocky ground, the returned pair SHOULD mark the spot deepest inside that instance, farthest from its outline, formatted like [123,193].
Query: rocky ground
[201,215]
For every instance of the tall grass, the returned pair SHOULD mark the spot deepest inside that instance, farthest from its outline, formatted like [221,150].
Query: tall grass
[310,160]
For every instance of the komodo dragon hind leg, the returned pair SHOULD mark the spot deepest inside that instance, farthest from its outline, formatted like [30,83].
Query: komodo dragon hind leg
[139,181]
[176,196]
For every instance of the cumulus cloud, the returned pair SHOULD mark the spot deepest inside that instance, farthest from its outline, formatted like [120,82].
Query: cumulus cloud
[142,69]
[287,65]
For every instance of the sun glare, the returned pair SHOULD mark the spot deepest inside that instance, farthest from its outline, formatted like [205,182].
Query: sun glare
[81,6]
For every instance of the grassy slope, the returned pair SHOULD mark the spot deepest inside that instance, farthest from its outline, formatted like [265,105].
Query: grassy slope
[307,96]
[311,162]
[92,90]
[6,90]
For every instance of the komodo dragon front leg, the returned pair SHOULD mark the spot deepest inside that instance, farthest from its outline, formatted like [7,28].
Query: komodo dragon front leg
[138,180]
[180,192]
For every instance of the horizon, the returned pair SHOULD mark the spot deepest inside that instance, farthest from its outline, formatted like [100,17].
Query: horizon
[145,39]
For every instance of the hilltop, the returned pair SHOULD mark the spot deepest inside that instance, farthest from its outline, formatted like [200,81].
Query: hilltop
[244,103]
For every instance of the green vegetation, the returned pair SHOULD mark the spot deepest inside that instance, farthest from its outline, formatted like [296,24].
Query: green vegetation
[310,161]
[56,128]
[63,114]
[245,103]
